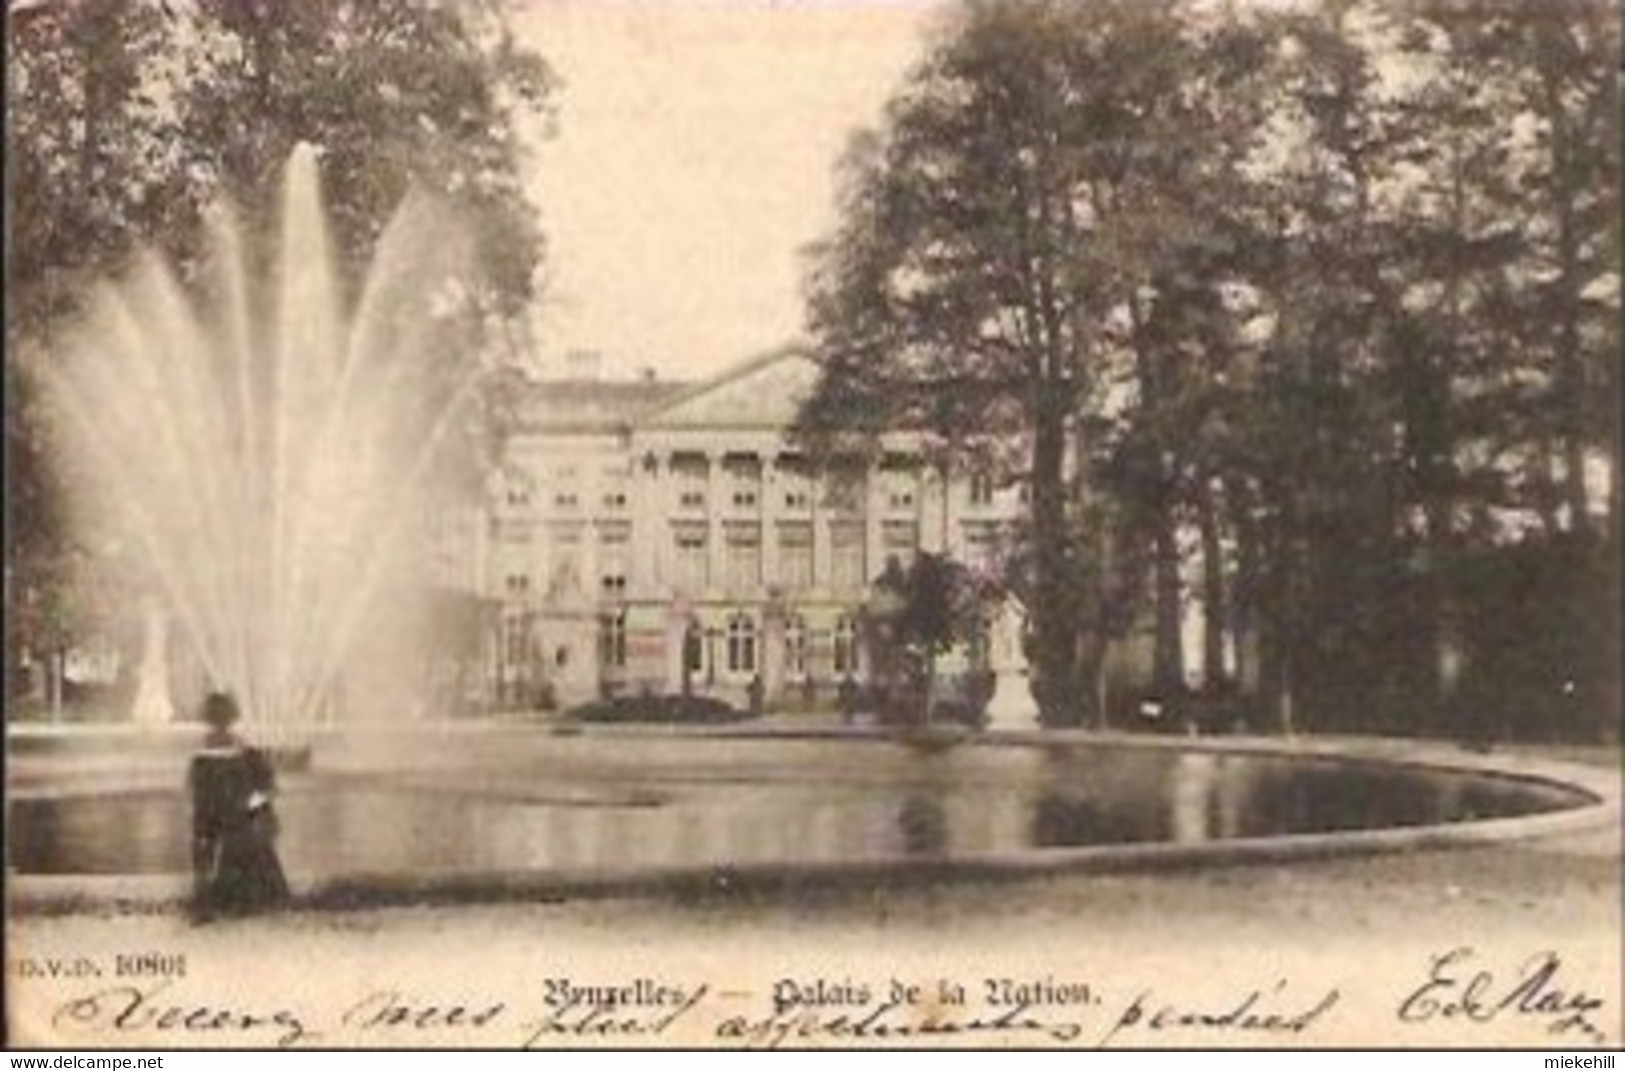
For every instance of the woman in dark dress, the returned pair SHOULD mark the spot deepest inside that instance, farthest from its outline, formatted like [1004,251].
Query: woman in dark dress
[234,862]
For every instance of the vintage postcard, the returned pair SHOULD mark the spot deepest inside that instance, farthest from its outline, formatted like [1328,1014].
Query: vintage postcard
[787,524]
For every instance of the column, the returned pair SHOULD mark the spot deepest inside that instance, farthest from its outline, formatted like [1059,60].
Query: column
[771,511]
[715,509]
[648,517]
[820,535]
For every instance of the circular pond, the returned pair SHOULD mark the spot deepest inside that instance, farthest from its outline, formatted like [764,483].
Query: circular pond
[611,806]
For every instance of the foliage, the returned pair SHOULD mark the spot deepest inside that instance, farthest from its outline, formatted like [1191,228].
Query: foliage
[125,121]
[1333,286]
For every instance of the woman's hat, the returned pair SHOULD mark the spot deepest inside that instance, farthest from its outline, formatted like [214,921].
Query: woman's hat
[220,710]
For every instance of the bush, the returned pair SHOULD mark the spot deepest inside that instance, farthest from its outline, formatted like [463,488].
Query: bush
[659,709]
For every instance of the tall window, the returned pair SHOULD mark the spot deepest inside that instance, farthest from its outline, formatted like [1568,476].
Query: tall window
[741,644]
[796,555]
[613,542]
[900,540]
[981,543]
[612,640]
[900,484]
[744,557]
[796,484]
[744,473]
[981,489]
[690,473]
[689,571]
[795,647]
[846,565]
[846,645]
[515,641]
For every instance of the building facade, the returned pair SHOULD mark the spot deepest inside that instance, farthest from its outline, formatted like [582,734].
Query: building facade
[652,536]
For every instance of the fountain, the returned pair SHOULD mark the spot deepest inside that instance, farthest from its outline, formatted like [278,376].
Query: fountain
[267,448]
[270,454]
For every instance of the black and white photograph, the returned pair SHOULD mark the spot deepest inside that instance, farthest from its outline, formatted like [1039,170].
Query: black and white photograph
[813,524]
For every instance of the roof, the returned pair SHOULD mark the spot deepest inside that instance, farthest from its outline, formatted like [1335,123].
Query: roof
[763,392]
[593,404]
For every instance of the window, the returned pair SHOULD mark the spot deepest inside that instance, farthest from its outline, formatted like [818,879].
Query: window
[612,640]
[694,648]
[846,564]
[796,480]
[690,473]
[565,500]
[744,556]
[615,500]
[517,585]
[981,489]
[796,555]
[846,646]
[900,540]
[795,647]
[613,541]
[689,567]
[744,473]
[515,641]
[981,544]
[741,644]
[900,482]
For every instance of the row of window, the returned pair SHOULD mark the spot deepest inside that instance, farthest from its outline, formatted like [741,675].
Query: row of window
[737,645]
[693,484]
[742,564]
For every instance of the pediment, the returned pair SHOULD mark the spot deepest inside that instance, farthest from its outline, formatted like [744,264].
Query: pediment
[764,393]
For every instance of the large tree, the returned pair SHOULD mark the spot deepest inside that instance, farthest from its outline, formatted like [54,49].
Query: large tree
[126,120]
[1002,236]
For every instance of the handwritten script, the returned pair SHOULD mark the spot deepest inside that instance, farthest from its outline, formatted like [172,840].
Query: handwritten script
[1462,987]
[1456,988]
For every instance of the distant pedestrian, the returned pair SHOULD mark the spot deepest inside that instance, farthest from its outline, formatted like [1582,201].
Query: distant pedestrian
[234,828]
[758,696]
[847,697]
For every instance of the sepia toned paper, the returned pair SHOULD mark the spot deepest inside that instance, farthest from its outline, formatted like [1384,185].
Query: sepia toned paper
[687,260]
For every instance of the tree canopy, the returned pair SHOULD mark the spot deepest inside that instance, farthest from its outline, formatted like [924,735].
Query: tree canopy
[126,121]
[1311,304]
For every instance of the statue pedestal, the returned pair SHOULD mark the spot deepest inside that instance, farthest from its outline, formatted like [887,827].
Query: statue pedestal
[1012,705]
[152,704]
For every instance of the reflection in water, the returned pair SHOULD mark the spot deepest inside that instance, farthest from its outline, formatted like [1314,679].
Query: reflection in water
[697,807]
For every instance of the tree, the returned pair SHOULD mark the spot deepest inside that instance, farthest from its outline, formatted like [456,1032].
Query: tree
[933,605]
[126,120]
[981,249]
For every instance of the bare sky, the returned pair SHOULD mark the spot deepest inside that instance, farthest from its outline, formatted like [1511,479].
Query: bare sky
[694,158]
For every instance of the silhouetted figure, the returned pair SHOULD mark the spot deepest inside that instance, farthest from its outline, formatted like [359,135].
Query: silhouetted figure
[847,696]
[234,862]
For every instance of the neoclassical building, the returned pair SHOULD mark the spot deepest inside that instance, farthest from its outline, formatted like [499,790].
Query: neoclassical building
[646,534]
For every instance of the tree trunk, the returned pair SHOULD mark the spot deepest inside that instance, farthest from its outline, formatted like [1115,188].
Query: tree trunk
[1053,617]
[1244,593]
[1215,606]
[1168,657]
